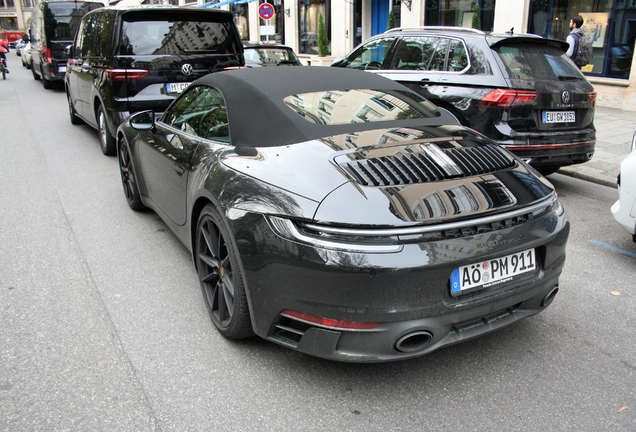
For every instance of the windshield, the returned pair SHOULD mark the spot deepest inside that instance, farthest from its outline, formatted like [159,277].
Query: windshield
[537,62]
[359,106]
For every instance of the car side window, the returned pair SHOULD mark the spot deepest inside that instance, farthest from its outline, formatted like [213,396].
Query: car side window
[457,56]
[414,53]
[370,55]
[200,111]
[439,56]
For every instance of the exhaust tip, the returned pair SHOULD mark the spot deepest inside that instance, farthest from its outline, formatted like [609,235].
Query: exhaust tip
[414,341]
[549,297]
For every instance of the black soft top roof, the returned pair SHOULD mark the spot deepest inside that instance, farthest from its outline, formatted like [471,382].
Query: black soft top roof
[258,116]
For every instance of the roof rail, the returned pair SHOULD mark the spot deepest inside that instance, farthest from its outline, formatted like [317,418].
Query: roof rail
[442,28]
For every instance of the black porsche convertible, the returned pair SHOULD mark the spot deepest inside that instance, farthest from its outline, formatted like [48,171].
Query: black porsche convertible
[337,213]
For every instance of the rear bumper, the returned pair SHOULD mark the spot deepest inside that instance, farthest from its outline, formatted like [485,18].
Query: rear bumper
[407,293]
[543,155]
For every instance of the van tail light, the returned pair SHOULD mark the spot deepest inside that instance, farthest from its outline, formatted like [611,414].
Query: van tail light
[505,98]
[124,74]
[47,53]
[591,96]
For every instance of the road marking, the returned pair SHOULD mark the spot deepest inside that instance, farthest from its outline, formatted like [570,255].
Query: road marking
[614,248]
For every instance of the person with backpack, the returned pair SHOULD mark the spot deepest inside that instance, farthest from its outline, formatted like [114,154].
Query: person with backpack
[580,50]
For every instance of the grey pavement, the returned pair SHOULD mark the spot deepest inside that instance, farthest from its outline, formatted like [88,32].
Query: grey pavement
[614,131]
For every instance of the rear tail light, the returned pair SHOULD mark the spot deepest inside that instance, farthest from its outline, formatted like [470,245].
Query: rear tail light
[124,74]
[505,98]
[47,53]
[591,96]
[328,322]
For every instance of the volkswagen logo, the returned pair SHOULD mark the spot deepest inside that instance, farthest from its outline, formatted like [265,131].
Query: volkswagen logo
[187,70]
[565,96]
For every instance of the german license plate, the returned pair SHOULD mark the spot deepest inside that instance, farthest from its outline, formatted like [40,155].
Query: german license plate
[559,117]
[492,272]
[176,87]
[61,69]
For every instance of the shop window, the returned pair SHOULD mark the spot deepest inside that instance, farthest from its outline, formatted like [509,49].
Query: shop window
[241,19]
[309,15]
[459,13]
[611,26]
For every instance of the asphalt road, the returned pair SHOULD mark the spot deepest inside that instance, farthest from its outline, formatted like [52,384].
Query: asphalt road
[103,325]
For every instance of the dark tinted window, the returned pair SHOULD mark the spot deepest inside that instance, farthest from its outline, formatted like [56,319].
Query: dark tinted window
[64,18]
[537,62]
[174,34]
[414,53]
[94,39]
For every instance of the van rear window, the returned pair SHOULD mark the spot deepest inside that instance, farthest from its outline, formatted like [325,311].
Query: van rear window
[159,37]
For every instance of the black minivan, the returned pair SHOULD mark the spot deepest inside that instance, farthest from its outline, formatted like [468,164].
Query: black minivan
[130,59]
[53,27]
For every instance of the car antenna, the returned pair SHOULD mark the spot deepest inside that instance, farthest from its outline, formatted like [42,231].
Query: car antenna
[512,30]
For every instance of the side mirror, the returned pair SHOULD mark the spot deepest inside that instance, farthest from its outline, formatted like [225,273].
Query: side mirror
[69,51]
[339,62]
[143,121]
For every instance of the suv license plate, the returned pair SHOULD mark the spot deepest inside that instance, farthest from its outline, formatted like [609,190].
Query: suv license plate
[176,87]
[559,117]
[492,272]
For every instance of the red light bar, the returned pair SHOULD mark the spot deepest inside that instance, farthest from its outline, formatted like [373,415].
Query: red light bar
[547,146]
[328,322]
[505,98]
[591,96]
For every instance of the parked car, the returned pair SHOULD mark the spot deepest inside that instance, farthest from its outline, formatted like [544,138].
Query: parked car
[518,89]
[19,46]
[53,27]
[624,209]
[269,54]
[157,52]
[354,222]
[26,56]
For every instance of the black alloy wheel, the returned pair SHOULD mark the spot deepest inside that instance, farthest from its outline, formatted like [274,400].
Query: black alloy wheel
[106,140]
[220,276]
[71,111]
[128,179]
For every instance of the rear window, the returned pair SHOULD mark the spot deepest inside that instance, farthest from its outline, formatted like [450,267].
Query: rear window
[537,62]
[65,18]
[176,35]
[359,106]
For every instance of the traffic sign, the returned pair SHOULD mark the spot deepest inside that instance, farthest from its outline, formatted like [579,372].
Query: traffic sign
[266,11]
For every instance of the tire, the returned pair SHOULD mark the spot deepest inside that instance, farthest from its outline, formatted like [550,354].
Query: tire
[221,277]
[48,84]
[4,74]
[72,113]
[128,178]
[106,140]
[35,74]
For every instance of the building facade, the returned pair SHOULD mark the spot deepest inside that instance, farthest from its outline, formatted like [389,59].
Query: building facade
[611,24]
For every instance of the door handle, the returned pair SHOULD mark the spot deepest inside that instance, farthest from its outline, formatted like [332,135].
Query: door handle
[425,82]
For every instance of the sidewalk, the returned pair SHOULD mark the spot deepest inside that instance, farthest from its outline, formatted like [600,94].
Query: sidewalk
[614,131]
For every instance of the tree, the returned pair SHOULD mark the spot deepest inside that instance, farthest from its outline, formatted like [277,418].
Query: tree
[476,22]
[391,21]
[323,42]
